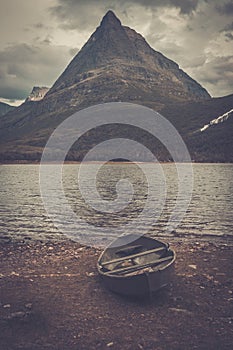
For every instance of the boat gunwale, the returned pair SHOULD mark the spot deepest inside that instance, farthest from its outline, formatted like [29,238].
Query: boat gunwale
[108,273]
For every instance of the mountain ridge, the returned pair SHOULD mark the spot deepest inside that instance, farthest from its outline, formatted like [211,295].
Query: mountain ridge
[116,64]
[5,108]
[120,48]
[37,93]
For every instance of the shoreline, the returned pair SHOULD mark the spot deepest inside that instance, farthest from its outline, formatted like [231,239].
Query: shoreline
[175,238]
[111,162]
[52,299]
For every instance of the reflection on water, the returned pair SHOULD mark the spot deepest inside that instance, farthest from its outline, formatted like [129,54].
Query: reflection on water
[22,214]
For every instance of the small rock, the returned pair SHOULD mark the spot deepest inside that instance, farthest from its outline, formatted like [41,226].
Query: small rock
[193,266]
[196,303]
[177,299]
[209,277]
[228,282]
[28,306]
[13,273]
[90,274]
[80,249]
[110,344]
[18,314]
[180,310]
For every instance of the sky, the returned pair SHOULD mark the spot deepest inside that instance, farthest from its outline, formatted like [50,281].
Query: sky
[39,38]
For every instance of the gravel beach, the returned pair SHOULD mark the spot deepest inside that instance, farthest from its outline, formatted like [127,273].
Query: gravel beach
[51,297]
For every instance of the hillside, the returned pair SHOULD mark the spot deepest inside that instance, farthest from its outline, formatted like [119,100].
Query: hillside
[5,108]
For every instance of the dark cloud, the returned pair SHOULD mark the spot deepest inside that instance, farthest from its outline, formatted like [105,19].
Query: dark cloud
[81,14]
[218,73]
[22,66]
[228,27]
[186,7]
[77,15]
[226,9]
[229,36]
[197,34]
[227,30]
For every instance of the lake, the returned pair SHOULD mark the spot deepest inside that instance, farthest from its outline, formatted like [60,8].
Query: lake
[23,216]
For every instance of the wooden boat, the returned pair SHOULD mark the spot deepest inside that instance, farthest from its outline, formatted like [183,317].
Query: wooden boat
[136,265]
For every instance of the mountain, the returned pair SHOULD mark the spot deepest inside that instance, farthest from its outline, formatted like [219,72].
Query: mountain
[214,144]
[118,55]
[5,108]
[38,93]
[116,64]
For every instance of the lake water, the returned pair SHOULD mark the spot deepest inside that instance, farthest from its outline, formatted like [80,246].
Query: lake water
[23,216]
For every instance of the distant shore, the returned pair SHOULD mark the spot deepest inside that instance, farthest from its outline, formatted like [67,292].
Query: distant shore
[51,297]
[112,162]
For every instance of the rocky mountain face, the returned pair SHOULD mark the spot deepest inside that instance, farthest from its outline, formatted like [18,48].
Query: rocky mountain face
[116,64]
[5,108]
[214,143]
[38,93]
[121,61]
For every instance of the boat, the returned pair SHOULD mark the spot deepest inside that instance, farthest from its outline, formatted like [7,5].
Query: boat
[134,265]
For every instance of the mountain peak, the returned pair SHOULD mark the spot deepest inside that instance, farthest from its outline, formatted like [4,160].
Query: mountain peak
[38,93]
[110,19]
[116,55]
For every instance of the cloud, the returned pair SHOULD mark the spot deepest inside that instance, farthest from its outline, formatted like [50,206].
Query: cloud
[229,36]
[78,15]
[39,39]
[217,75]
[22,66]
[226,9]
[186,7]
[11,102]
[199,44]
[228,27]
[227,30]
[82,14]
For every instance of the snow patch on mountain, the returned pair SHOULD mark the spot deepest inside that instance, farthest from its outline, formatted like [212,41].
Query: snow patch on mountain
[222,118]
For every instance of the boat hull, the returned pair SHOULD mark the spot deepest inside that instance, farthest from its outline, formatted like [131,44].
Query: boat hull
[139,284]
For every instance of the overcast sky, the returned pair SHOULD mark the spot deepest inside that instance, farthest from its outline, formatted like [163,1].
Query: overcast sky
[39,38]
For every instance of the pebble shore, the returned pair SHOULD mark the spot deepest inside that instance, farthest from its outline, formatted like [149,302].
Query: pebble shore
[51,298]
